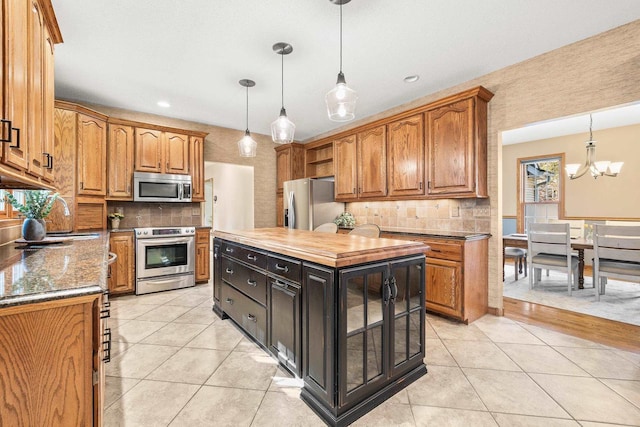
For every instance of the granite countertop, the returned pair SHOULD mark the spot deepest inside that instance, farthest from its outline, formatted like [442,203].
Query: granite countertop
[42,273]
[333,250]
[443,234]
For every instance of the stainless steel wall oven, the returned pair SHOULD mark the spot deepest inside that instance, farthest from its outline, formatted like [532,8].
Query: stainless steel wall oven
[165,258]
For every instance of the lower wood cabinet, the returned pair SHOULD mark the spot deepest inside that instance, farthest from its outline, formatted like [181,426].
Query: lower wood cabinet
[457,275]
[203,249]
[122,271]
[51,363]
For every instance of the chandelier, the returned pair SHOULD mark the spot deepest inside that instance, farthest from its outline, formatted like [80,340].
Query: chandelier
[600,168]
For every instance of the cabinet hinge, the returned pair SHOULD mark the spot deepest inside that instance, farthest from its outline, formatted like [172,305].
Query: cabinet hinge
[96,377]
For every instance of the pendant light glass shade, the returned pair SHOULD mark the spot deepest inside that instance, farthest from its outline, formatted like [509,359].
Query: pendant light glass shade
[341,100]
[247,145]
[282,129]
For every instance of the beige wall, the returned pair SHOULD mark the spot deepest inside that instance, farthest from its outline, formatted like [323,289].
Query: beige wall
[595,73]
[221,146]
[584,197]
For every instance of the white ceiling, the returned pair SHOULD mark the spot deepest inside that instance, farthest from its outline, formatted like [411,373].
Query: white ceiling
[132,54]
[625,115]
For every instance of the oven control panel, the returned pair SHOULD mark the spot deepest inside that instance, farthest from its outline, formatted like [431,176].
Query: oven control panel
[154,232]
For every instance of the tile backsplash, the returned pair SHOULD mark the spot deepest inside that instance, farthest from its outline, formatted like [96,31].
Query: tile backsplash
[445,214]
[138,214]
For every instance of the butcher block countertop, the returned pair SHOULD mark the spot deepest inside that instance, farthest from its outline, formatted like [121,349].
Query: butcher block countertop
[332,250]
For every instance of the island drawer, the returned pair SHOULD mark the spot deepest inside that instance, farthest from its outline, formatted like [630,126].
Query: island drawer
[443,249]
[248,255]
[246,279]
[250,315]
[288,268]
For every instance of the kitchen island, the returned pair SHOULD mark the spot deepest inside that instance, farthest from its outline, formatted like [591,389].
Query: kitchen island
[344,313]
[51,331]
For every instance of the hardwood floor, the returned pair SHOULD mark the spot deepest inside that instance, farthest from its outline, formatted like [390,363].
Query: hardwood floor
[604,331]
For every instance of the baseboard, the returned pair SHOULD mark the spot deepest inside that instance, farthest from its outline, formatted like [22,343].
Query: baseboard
[496,311]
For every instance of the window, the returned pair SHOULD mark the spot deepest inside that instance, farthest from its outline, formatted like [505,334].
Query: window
[6,210]
[541,195]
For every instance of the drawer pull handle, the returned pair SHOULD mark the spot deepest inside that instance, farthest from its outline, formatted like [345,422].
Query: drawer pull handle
[419,267]
[230,250]
[252,318]
[105,314]
[282,268]
[435,250]
[252,283]
[228,270]
[251,257]
[229,301]
[280,284]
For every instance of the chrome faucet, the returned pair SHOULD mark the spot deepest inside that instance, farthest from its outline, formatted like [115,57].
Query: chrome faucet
[66,206]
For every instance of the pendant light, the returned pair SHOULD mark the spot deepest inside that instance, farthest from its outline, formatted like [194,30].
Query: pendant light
[282,129]
[341,100]
[247,145]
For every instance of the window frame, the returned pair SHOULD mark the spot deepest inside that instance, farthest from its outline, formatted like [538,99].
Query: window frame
[520,196]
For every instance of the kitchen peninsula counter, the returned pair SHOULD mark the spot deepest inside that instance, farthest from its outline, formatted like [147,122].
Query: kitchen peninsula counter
[40,273]
[344,313]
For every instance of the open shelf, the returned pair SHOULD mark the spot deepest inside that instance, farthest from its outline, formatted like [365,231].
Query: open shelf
[319,160]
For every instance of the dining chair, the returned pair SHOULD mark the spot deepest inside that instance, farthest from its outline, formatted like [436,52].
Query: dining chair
[616,254]
[549,247]
[327,227]
[366,230]
[519,256]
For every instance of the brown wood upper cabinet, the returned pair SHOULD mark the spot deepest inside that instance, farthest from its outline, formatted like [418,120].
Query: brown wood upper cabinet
[457,149]
[29,32]
[120,162]
[360,165]
[161,152]
[92,156]
[405,156]
[289,163]
[196,160]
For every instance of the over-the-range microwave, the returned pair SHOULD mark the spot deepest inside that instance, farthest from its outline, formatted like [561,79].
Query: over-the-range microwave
[161,187]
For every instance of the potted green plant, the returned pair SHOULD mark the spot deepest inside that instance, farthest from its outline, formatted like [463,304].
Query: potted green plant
[115,218]
[37,205]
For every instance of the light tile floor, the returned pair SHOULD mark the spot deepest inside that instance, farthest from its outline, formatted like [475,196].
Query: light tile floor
[175,363]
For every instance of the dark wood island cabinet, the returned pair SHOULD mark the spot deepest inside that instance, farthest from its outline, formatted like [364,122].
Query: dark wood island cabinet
[344,313]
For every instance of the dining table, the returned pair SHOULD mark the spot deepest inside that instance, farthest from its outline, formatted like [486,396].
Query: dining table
[517,240]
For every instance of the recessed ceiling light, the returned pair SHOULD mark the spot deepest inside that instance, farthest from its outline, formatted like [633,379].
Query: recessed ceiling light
[164,104]
[411,79]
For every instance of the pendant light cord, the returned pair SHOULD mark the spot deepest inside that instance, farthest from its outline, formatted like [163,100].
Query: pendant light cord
[590,127]
[282,75]
[247,109]
[340,37]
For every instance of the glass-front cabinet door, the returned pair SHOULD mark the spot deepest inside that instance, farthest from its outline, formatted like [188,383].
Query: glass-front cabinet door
[363,331]
[407,305]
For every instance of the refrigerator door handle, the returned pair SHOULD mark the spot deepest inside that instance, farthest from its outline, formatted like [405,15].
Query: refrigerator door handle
[292,211]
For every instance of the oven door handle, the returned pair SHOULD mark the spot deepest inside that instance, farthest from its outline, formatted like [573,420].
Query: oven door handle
[162,241]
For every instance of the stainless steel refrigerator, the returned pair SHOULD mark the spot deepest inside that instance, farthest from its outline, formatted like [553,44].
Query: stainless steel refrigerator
[308,203]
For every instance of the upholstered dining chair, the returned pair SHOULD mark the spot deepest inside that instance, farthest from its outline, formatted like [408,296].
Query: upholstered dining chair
[549,247]
[327,227]
[519,256]
[366,230]
[616,254]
